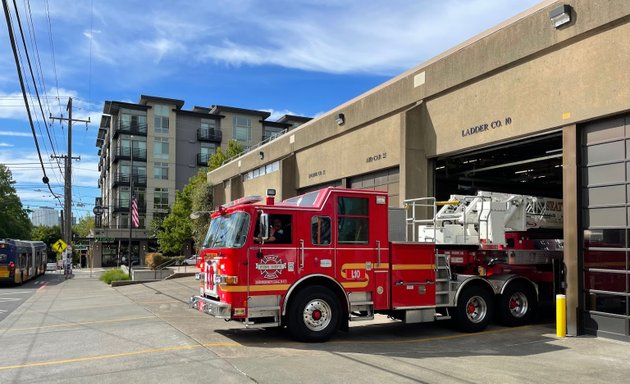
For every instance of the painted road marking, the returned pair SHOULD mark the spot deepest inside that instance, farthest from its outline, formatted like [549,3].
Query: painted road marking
[74,324]
[15,292]
[116,355]
[7,299]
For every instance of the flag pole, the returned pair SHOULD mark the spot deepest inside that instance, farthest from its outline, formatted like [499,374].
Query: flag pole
[130,204]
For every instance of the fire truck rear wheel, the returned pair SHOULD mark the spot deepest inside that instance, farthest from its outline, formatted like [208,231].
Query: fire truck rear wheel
[474,309]
[314,314]
[517,305]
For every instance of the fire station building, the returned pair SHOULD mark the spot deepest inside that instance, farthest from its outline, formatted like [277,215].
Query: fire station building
[539,105]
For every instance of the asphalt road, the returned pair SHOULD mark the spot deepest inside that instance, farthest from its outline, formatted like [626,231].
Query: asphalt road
[83,331]
[12,296]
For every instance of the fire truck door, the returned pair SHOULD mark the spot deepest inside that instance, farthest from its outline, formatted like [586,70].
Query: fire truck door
[271,269]
[362,248]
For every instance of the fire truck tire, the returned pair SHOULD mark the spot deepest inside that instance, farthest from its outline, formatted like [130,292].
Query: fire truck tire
[517,305]
[314,314]
[474,309]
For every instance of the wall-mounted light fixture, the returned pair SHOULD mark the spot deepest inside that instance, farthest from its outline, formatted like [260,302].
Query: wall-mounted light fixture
[261,155]
[560,15]
[340,119]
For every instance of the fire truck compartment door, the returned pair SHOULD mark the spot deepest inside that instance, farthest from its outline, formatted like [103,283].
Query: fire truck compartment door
[412,275]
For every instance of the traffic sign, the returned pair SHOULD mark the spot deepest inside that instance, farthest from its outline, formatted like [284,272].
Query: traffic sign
[60,246]
[98,210]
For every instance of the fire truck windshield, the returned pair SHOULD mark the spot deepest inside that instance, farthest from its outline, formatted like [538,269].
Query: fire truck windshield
[227,231]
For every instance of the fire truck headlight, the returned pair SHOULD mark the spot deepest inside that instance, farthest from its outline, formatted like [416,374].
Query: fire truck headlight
[228,280]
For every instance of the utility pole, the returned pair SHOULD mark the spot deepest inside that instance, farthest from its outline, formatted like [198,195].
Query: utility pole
[67,196]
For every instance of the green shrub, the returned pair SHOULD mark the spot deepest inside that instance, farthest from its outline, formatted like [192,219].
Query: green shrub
[114,275]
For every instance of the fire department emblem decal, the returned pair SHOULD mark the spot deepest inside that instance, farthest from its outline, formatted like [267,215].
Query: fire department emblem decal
[271,267]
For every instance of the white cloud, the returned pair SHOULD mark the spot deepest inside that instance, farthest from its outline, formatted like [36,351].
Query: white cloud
[15,134]
[334,37]
[275,114]
[6,145]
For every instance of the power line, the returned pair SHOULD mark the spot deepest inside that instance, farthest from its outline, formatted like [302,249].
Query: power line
[52,49]
[17,65]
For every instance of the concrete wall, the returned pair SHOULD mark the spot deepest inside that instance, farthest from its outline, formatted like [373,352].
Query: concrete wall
[524,74]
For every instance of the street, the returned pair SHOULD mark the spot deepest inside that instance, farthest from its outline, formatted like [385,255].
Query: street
[83,331]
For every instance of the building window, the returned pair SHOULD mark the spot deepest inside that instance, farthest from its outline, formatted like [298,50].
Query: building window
[161,114]
[207,125]
[261,171]
[160,171]
[207,150]
[272,132]
[160,198]
[133,123]
[242,128]
[140,174]
[123,198]
[160,148]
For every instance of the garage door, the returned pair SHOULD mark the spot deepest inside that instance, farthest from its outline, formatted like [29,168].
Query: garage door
[606,223]
[385,180]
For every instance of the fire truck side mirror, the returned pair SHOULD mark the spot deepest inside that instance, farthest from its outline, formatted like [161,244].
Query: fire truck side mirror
[264,226]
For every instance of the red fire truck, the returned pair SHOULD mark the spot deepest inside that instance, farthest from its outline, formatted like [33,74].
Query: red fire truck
[315,262]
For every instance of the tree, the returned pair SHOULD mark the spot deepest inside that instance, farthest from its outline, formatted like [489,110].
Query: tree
[84,226]
[14,221]
[201,199]
[216,160]
[48,235]
[177,227]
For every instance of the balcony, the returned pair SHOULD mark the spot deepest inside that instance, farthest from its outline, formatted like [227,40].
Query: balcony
[133,128]
[203,158]
[123,153]
[212,135]
[123,180]
[122,205]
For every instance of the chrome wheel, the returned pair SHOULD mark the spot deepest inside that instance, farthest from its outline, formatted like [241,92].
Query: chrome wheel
[317,315]
[518,304]
[476,309]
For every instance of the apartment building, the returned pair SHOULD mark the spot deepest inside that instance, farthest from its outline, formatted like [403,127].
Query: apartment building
[155,147]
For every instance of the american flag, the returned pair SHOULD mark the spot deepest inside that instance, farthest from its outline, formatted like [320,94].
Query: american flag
[135,221]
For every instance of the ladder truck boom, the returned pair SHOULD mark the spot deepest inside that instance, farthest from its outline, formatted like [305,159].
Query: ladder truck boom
[486,217]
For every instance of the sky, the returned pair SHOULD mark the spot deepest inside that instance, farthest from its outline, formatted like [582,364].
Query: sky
[300,57]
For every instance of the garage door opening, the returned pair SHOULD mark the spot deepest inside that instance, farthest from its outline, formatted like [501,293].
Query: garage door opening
[531,247]
[527,167]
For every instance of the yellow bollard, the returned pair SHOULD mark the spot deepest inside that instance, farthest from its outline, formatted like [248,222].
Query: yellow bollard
[561,315]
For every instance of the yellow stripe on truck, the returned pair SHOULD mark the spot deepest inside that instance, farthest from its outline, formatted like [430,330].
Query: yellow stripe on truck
[407,267]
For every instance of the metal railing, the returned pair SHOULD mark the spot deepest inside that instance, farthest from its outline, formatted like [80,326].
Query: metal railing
[163,266]
[213,135]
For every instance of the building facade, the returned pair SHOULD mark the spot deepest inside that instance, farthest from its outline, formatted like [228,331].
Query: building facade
[155,147]
[46,216]
[538,105]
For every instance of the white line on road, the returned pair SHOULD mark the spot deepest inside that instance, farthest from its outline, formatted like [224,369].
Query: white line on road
[16,292]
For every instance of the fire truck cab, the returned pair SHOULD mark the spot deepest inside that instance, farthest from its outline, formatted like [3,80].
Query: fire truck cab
[315,262]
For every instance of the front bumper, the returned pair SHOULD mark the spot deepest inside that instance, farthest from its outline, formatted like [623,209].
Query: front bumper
[211,307]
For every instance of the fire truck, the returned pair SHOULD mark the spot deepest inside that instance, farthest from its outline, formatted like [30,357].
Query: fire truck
[338,255]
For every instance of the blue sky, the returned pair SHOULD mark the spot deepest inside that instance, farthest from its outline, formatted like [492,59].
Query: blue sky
[301,57]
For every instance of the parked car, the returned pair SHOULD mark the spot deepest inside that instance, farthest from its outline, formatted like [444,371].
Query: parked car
[192,260]
[51,267]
